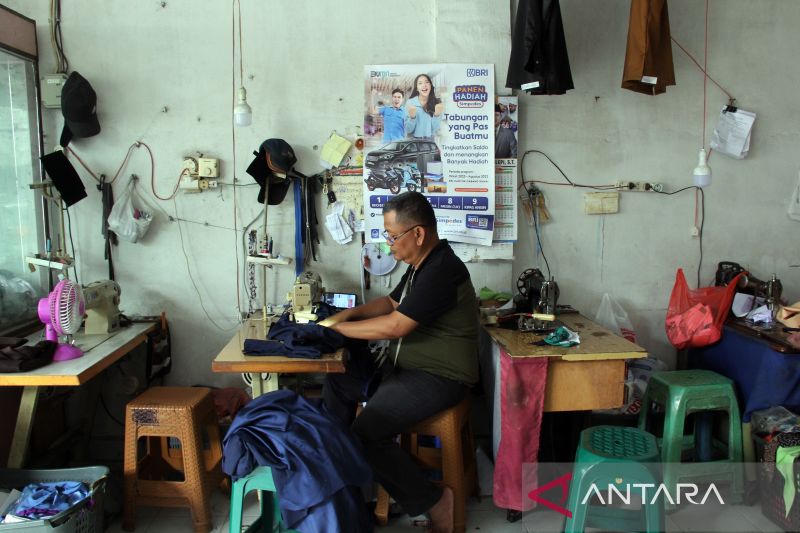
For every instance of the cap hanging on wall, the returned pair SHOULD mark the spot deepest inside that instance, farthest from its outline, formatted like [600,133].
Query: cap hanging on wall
[274,161]
[79,107]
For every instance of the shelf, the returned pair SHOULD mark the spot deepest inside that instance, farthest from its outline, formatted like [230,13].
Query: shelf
[261,260]
[55,265]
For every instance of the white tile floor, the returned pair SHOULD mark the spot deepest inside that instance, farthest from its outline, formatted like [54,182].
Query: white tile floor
[482,516]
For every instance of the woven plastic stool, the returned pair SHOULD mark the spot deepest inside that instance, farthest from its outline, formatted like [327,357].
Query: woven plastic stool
[270,520]
[185,413]
[455,459]
[609,455]
[702,393]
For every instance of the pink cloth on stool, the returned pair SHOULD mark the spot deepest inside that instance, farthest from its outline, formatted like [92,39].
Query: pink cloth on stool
[522,388]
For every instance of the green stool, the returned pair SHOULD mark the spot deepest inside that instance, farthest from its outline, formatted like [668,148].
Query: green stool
[270,520]
[619,456]
[699,392]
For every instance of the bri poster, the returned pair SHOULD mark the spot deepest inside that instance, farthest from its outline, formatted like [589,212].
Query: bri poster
[431,129]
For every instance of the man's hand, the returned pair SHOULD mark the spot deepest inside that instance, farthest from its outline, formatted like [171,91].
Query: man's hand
[794,339]
[412,110]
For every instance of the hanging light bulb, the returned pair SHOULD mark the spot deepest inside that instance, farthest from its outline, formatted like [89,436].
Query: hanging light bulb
[242,113]
[701,175]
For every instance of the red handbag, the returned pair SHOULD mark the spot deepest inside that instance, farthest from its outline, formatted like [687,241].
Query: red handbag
[695,316]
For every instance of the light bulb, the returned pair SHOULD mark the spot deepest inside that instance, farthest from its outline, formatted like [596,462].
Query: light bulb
[701,175]
[242,113]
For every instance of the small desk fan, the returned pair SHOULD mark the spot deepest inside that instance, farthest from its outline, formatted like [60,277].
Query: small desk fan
[61,312]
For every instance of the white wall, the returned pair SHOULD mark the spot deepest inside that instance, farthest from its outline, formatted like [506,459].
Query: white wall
[303,65]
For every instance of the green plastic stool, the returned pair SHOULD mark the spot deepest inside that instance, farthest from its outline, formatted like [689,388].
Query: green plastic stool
[700,392]
[608,455]
[270,520]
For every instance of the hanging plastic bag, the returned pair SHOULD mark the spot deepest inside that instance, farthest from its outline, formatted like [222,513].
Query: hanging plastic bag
[129,222]
[695,316]
[613,317]
[794,204]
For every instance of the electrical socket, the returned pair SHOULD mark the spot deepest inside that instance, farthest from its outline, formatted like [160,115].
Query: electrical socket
[694,231]
[638,186]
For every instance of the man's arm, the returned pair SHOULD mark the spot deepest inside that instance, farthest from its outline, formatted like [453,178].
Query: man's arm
[375,308]
[391,326]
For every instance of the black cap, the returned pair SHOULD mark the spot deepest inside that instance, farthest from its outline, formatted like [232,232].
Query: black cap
[274,157]
[64,177]
[79,107]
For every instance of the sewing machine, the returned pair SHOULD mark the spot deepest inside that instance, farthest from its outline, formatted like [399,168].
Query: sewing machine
[304,295]
[770,290]
[536,302]
[102,306]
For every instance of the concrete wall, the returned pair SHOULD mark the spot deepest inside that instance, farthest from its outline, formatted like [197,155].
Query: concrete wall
[303,67]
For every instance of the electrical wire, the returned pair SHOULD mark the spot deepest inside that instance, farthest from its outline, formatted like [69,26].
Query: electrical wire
[536,227]
[74,258]
[702,219]
[233,147]
[191,278]
[569,181]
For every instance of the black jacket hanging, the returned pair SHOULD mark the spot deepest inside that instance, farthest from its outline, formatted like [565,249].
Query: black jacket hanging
[539,63]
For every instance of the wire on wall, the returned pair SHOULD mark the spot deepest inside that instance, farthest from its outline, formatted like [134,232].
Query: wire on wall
[236,4]
[62,64]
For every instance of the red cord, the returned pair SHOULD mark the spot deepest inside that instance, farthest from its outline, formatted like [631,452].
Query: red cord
[705,79]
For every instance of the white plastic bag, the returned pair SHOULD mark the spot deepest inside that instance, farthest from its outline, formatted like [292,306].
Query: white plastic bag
[794,204]
[613,317]
[125,219]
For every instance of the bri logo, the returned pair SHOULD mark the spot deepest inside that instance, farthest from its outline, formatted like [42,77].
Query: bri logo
[473,72]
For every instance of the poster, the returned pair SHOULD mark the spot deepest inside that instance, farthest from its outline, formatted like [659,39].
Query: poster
[506,127]
[430,129]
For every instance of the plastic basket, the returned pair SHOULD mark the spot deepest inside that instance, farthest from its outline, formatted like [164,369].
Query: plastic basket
[86,517]
[771,487]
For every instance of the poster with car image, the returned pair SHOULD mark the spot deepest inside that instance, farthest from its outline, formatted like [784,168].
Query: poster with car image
[431,129]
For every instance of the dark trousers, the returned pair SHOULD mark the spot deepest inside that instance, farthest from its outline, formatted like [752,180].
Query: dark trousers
[398,398]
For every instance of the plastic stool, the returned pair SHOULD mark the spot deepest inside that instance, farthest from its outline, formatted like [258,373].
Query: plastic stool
[606,454]
[183,413]
[455,459]
[270,520]
[698,392]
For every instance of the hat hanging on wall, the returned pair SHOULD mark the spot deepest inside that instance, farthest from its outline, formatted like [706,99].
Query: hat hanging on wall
[65,177]
[79,107]
[274,161]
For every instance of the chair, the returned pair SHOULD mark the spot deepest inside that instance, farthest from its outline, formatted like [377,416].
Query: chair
[185,413]
[700,393]
[605,455]
[455,459]
[270,520]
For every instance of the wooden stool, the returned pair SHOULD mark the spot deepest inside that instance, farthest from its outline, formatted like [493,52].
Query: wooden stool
[185,413]
[455,459]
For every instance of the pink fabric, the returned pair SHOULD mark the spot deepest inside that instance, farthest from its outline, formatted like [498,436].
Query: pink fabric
[522,382]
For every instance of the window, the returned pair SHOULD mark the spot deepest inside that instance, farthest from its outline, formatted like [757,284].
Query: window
[21,210]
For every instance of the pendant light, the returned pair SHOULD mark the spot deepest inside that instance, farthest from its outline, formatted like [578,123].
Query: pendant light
[242,112]
[701,175]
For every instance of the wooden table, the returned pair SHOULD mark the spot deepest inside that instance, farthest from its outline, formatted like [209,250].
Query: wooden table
[231,359]
[596,367]
[100,352]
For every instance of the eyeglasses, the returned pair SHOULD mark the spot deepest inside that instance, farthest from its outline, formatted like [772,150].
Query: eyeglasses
[391,240]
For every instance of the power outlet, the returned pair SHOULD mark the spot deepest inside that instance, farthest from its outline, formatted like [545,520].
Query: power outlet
[638,186]
[694,231]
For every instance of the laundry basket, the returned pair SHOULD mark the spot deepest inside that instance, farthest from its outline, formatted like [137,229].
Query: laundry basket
[85,517]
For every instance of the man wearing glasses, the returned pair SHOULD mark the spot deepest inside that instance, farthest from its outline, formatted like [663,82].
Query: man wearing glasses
[431,318]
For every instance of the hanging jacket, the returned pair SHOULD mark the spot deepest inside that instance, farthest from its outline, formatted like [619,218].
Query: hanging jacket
[539,63]
[648,56]
[317,464]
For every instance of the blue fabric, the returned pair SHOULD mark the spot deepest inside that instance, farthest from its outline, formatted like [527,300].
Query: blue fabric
[423,125]
[393,122]
[42,500]
[763,376]
[295,340]
[317,464]
[299,258]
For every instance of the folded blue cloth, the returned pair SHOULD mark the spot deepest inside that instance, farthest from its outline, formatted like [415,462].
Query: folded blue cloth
[290,339]
[41,500]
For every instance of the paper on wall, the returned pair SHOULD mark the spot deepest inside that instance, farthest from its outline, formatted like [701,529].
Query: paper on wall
[731,136]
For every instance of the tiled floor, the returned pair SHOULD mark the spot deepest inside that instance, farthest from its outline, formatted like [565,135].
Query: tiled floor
[482,516]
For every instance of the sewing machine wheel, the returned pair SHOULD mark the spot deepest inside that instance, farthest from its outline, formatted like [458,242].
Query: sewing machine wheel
[524,286]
